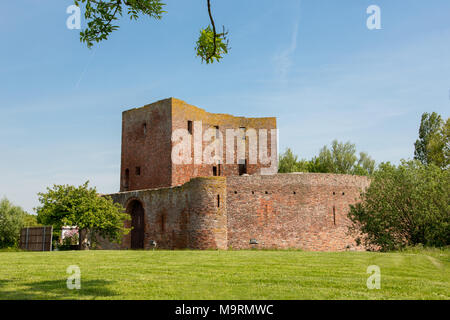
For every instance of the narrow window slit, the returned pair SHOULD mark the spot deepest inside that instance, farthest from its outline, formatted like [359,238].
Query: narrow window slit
[334,215]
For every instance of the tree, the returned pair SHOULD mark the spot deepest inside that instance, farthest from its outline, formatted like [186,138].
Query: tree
[101,16]
[365,165]
[12,220]
[288,162]
[430,126]
[65,205]
[438,146]
[404,205]
[30,220]
[342,158]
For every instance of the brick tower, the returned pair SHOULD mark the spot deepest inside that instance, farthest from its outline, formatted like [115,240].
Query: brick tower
[146,160]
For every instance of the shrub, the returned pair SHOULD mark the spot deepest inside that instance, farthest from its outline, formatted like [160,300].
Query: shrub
[82,206]
[12,219]
[404,206]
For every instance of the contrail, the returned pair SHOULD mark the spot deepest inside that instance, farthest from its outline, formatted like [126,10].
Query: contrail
[85,68]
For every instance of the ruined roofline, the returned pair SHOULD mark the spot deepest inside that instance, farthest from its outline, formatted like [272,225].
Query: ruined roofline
[267,176]
[147,105]
[305,174]
[320,173]
[172,100]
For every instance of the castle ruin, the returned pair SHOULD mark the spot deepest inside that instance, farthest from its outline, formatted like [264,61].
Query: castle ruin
[238,204]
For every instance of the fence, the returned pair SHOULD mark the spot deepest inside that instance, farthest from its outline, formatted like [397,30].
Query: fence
[36,238]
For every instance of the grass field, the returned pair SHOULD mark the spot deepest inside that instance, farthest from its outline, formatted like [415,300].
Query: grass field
[422,274]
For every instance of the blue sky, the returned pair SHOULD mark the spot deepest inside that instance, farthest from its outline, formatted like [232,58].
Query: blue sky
[312,64]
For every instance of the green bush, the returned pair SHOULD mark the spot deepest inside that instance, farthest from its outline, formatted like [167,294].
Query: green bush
[12,219]
[65,205]
[405,205]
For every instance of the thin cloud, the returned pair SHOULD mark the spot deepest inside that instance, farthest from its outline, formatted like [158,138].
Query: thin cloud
[283,60]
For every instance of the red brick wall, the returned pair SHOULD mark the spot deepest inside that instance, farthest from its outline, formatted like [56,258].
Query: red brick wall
[282,219]
[296,212]
[182,112]
[149,150]
[190,213]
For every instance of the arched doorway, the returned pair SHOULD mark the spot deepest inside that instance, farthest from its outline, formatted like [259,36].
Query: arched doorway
[136,211]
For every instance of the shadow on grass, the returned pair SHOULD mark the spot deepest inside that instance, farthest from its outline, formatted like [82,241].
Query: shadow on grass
[55,290]
[3,283]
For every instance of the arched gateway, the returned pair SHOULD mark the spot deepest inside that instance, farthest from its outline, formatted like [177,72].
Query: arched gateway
[136,210]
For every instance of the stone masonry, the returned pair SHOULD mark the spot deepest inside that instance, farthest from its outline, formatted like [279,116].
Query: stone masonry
[198,207]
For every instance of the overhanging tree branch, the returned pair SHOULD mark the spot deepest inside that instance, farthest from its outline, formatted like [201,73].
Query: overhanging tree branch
[102,14]
[214,31]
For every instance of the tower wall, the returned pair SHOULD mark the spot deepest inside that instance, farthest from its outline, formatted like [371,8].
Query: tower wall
[183,112]
[146,160]
[146,147]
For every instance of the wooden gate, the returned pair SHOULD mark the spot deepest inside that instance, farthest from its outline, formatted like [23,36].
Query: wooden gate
[138,224]
[36,238]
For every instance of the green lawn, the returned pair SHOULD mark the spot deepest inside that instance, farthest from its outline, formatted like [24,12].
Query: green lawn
[224,275]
